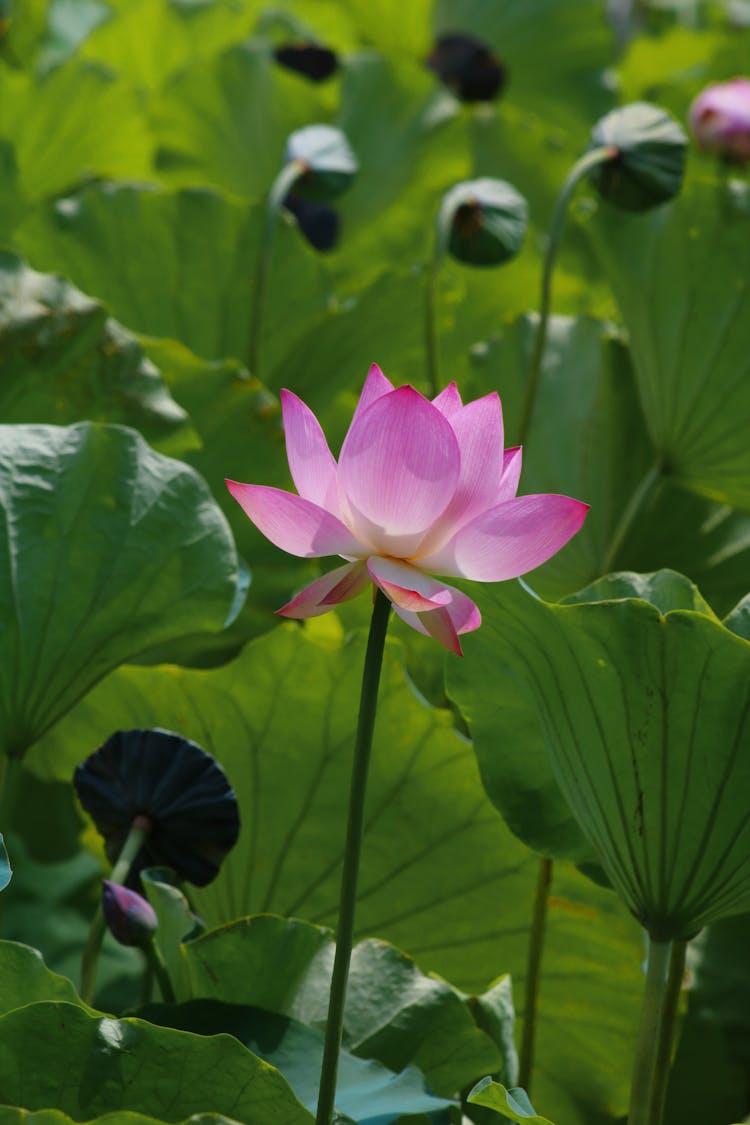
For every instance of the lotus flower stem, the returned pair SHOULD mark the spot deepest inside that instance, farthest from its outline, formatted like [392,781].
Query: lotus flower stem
[533,972]
[290,172]
[646,1079]
[666,1031]
[130,849]
[345,932]
[588,161]
[652,478]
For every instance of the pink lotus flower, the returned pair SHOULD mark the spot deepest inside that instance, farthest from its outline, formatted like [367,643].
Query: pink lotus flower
[720,119]
[420,488]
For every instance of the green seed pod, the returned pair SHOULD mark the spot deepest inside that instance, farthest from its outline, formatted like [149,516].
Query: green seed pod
[483,222]
[328,163]
[650,161]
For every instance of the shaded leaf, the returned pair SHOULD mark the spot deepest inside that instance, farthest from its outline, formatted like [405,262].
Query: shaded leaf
[394,1013]
[88,1064]
[366,1092]
[24,978]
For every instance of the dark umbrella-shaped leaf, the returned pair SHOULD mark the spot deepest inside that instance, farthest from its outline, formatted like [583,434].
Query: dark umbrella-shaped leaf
[181,791]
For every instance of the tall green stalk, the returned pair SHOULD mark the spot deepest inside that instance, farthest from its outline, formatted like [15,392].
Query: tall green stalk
[533,974]
[665,1045]
[138,832]
[345,932]
[648,1077]
[588,161]
[279,189]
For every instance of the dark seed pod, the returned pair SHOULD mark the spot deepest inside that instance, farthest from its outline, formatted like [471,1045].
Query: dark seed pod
[319,222]
[468,67]
[309,59]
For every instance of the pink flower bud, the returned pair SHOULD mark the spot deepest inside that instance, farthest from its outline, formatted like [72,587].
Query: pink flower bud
[130,918]
[720,119]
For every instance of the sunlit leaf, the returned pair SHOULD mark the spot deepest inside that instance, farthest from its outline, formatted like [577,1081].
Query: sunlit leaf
[111,548]
[441,875]
[680,278]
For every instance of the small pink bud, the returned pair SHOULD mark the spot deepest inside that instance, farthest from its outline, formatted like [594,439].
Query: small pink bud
[720,119]
[130,918]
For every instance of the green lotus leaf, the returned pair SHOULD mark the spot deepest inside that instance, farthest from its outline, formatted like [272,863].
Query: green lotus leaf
[680,278]
[58,140]
[181,265]
[394,1013]
[224,121]
[10,1115]
[89,1064]
[112,548]
[643,707]
[513,1105]
[441,877]
[148,42]
[64,358]
[24,978]
[366,1092]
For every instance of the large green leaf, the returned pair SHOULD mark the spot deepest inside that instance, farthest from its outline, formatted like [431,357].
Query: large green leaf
[366,1092]
[642,699]
[148,41]
[680,279]
[394,1013]
[181,264]
[57,138]
[442,877]
[110,548]
[513,1105]
[10,1115]
[86,1065]
[24,978]
[225,121]
[507,734]
[64,358]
